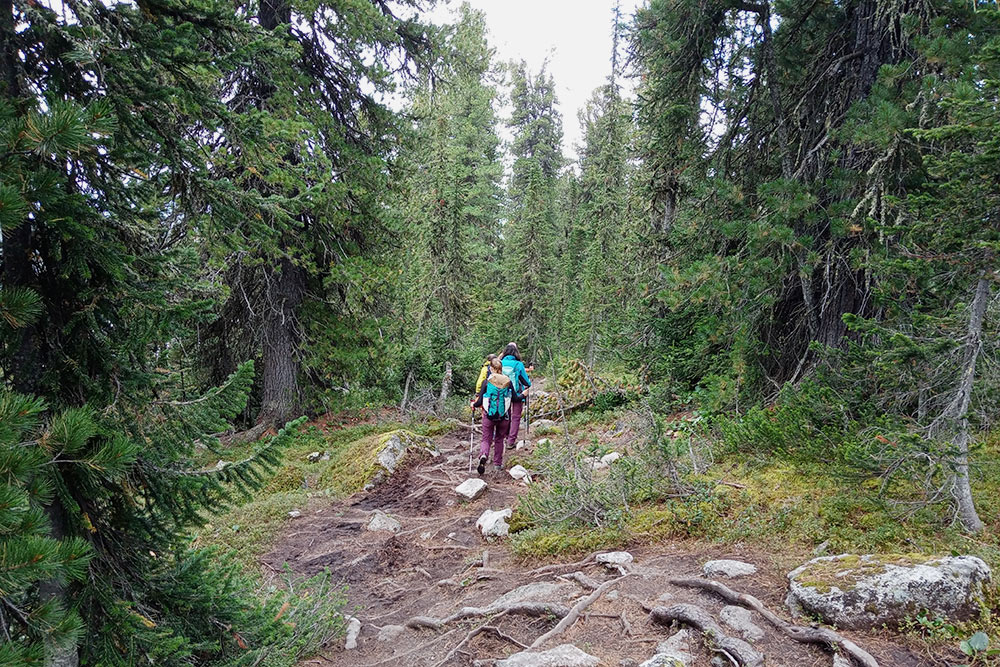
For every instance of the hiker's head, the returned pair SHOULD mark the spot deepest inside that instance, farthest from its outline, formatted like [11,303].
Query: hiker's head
[490,358]
[495,364]
[511,351]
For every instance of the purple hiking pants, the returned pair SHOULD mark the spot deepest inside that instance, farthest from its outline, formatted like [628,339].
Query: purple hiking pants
[515,422]
[493,435]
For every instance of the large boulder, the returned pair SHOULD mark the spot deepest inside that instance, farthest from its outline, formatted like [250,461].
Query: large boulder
[395,446]
[857,592]
[566,655]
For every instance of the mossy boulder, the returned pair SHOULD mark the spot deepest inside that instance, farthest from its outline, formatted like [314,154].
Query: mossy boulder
[863,591]
[368,461]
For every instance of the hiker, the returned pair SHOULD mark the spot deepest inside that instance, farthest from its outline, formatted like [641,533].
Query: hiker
[495,399]
[484,372]
[514,369]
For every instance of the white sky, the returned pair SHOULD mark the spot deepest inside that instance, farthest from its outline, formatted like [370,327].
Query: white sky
[574,35]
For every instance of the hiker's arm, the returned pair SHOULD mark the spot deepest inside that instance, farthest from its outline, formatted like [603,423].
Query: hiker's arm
[478,403]
[525,380]
[482,379]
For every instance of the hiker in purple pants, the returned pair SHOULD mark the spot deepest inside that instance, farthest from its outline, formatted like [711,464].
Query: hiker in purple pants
[494,398]
[512,366]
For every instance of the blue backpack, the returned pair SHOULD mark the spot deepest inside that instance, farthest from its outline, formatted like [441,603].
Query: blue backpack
[496,402]
[510,370]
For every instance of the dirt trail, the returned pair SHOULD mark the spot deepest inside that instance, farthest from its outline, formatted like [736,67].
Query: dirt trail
[438,563]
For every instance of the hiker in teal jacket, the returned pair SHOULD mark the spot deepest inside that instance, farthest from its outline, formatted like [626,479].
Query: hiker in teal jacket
[513,368]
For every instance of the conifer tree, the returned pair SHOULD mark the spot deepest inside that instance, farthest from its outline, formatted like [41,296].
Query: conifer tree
[530,232]
[452,197]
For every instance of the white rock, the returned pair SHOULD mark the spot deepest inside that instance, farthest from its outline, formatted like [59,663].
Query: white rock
[841,661]
[520,472]
[426,535]
[596,463]
[520,444]
[741,620]
[855,592]
[728,568]
[313,457]
[566,655]
[353,630]
[673,652]
[491,523]
[610,458]
[543,442]
[390,632]
[615,560]
[295,514]
[381,521]
[471,489]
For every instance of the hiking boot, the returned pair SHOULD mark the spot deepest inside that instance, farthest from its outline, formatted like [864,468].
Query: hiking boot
[482,465]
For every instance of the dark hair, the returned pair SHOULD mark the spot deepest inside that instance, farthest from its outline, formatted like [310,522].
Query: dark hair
[511,351]
[491,357]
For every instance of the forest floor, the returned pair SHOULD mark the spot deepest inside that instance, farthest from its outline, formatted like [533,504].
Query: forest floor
[438,563]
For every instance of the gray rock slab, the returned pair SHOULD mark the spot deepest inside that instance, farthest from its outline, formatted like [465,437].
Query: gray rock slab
[741,620]
[380,521]
[565,655]
[728,568]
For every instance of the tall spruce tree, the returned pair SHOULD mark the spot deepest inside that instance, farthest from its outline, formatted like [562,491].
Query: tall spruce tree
[312,136]
[452,200]
[107,114]
[530,232]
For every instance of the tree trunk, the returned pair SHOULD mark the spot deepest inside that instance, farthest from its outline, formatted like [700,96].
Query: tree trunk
[54,589]
[953,418]
[445,386]
[285,290]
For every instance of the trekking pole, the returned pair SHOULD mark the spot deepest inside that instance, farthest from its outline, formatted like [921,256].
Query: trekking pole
[472,432]
[527,417]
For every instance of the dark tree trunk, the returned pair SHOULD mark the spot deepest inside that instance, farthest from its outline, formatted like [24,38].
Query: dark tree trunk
[285,289]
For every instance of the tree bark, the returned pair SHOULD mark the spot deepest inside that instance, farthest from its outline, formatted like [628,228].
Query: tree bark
[445,385]
[286,287]
[953,419]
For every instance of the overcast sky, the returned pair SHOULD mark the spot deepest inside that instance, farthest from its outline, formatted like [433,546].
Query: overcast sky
[574,35]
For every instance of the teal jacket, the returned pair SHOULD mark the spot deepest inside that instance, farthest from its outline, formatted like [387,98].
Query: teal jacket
[522,376]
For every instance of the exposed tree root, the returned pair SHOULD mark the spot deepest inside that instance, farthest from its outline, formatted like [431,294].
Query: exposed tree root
[737,650]
[582,579]
[468,637]
[562,566]
[520,608]
[570,618]
[797,632]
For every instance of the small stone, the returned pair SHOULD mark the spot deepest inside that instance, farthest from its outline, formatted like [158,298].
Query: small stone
[728,568]
[295,514]
[520,472]
[491,523]
[565,655]
[841,661]
[627,662]
[596,463]
[543,442]
[471,489]
[426,535]
[325,457]
[390,632]
[610,458]
[353,630]
[615,560]
[611,595]
[718,661]
[821,549]
[313,457]
[380,521]
[741,620]
[520,444]
[545,426]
